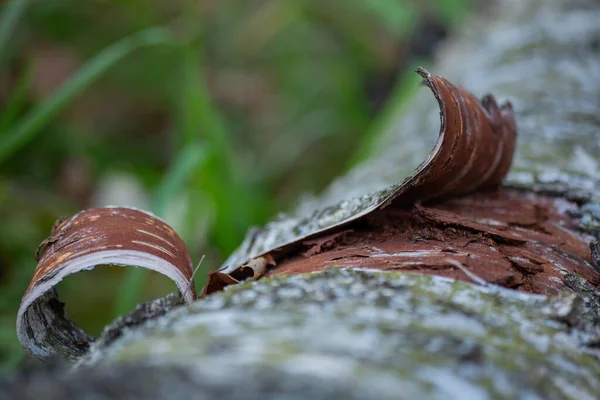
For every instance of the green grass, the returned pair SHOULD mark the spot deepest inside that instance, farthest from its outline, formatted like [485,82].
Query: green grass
[12,12]
[25,130]
[405,89]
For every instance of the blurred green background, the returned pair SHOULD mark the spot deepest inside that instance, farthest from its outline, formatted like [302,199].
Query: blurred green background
[213,114]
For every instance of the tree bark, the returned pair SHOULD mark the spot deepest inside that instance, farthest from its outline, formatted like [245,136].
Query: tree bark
[373,334]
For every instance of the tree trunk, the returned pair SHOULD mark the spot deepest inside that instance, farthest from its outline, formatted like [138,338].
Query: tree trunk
[388,334]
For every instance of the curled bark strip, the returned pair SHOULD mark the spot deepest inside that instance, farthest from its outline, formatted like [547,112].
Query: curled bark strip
[474,151]
[100,236]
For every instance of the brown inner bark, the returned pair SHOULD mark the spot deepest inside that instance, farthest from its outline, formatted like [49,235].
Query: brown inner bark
[506,237]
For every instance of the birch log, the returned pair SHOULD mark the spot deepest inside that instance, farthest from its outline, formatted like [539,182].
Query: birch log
[368,334]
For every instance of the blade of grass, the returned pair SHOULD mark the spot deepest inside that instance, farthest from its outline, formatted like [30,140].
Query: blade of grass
[403,92]
[26,129]
[453,11]
[187,161]
[15,103]
[231,203]
[10,16]
[399,17]
[199,118]
[218,180]
[129,291]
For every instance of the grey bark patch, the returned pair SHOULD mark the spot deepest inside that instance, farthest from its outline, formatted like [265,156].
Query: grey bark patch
[66,339]
[585,318]
[595,251]
[173,383]
[381,333]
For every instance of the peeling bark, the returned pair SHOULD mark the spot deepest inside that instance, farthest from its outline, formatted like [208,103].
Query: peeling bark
[505,237]
[111,235]
[473,151]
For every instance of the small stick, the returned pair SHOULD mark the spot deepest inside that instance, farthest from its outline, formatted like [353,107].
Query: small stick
[470,274]
[192,278]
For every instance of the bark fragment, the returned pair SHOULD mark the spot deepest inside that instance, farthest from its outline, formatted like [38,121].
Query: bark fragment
[473,152]
[117,236]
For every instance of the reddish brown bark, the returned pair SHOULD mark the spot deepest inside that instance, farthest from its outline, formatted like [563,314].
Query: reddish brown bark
[514,239]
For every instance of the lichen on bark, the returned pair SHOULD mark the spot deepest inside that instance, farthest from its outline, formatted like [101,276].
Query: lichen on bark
[385,335]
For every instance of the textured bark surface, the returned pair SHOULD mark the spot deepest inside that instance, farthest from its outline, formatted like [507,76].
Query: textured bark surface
[386,334]
[349,334]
